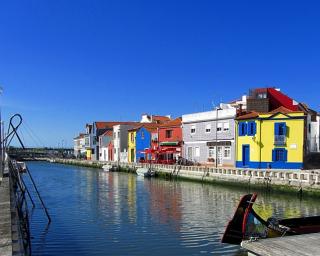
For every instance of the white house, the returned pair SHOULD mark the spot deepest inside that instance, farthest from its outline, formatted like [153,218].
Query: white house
[209,137]
[120,141]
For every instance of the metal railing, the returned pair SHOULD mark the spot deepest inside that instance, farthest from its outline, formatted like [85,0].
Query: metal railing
[280,140]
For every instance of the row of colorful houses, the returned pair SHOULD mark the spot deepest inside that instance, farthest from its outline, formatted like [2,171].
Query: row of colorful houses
[264,129]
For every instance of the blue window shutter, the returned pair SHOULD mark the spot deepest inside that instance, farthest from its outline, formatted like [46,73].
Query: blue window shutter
[285,155]
[254,128]
[276,129]
[273,155]
[239,129]
[249,130]
[285,129]
[242,129]
[245,129]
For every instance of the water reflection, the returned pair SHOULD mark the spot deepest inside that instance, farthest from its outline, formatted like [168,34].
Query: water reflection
[99,213]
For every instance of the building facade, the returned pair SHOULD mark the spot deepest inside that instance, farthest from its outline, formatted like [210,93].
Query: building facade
[104,140]
[120,142]
[79,149]
[272,140]
[209,137]
[132,146]
[170,141]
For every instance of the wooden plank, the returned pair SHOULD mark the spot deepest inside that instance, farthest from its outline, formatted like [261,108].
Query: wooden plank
[302,245]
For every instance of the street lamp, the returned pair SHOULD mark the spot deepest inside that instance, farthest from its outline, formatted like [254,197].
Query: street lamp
[217,109]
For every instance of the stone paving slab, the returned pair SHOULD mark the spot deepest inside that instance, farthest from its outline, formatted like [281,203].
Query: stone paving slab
[5,218]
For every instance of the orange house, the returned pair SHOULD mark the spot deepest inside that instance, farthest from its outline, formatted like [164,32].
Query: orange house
[170,141]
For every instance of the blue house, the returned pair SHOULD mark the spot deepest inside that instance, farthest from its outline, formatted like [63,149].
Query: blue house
[143,140]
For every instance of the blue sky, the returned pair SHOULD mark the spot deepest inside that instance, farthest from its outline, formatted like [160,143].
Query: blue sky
[65,63]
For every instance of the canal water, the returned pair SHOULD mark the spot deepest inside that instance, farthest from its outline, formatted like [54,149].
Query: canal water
[99,213]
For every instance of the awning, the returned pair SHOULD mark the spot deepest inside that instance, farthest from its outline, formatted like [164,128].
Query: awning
[169,143]
[169,151]
[148,151]
[218,143]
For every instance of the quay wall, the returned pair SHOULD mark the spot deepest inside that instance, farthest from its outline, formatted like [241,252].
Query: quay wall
[5,218]
[306,181]
[11,241]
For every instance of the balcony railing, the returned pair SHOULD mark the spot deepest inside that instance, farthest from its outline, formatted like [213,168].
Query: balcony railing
[280,140]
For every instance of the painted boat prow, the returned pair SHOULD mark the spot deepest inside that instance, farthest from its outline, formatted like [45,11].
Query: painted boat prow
[233,233]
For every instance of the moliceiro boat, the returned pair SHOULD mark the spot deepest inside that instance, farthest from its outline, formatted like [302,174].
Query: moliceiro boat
[145,172]
[246,224]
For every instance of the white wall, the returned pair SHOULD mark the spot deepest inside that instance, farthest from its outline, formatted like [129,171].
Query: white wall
[104,154]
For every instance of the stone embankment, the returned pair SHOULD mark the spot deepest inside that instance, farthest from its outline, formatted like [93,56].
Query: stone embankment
[11,242]
[306,181]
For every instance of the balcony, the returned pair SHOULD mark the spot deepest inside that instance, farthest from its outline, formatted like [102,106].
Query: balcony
[280,140]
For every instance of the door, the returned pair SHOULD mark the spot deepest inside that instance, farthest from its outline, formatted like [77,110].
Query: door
[245,155]
[219,155]
[132,155]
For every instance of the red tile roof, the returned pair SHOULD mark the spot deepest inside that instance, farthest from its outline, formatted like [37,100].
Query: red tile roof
[108,133]
[160,118]
[171,123]
[106,125]
[282,110]
[248,115]
[148,126]
[254,114]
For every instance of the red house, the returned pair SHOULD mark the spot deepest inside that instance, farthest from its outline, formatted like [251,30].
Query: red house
[170,141]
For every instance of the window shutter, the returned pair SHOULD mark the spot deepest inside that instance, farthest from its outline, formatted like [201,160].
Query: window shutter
[285,155]
[276,129]
[285,129]
[240,129]
[249,131]
[245,129]
[254,128]
[273,155]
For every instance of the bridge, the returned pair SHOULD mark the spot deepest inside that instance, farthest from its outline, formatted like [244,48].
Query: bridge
[38,153]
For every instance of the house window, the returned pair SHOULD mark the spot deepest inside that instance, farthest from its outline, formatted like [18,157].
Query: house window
[211,152]
[118,134]
[251,128]
[262,95]
[92,151]
[132,137]
[309,128]
[226,127]
[280,129]
[193,129]
[114,135]
[208,128]
[197,152]
[219,127]
[142,135]
[279,155]
[190,153]
[168,133]
[242,128]
[227,152]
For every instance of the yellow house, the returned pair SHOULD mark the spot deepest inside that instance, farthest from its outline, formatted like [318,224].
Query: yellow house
[132,146]
[270,140]
[88,153]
